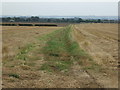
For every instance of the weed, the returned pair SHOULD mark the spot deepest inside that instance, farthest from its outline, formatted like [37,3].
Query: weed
[14,75]
[22,55]
[29,64]
[46,67]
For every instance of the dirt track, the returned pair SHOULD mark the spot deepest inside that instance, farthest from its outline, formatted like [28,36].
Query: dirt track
[100,41]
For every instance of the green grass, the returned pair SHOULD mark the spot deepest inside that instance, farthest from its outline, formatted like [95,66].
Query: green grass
[22,55]
[56,65]
[60,42]
[14,75]
[46,67]
[61,51]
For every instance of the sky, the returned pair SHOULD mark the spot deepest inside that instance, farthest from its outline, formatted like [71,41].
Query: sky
[60,0]
[60,8]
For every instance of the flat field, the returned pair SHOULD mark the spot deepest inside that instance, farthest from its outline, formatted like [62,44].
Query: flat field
[76,56]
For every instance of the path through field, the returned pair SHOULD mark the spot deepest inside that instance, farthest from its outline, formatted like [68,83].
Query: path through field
[30,66]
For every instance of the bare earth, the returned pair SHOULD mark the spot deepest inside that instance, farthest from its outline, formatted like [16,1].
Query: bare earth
[100,41]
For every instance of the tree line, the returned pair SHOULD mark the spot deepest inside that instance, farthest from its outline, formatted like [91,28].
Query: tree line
[54,20]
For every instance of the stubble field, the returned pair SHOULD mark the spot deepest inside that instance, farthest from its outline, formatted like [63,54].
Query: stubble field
[76,56]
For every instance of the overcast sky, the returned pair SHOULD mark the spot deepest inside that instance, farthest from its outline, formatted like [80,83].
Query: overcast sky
[60,8]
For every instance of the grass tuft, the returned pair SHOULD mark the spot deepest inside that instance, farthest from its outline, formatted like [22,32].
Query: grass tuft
[14,75]
[22,55]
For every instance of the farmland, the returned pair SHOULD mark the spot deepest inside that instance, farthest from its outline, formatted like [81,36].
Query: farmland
[75,56]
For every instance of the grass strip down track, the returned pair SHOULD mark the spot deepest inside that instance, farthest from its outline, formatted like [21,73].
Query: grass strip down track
[61,51]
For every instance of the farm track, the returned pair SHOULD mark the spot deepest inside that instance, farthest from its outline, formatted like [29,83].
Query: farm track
[87,35]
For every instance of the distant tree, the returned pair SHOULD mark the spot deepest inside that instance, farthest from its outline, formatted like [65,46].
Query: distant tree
[6,19]
[99,21]
[79,20]
[34,19]
[49,20]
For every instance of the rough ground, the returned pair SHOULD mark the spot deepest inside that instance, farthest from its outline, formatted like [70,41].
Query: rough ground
[98,40]
[101,42]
